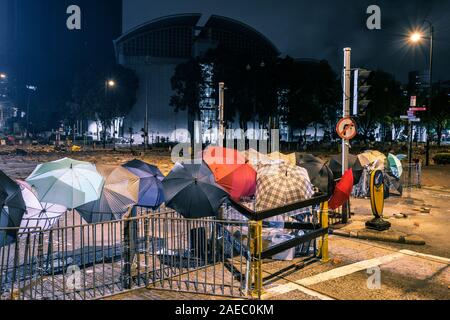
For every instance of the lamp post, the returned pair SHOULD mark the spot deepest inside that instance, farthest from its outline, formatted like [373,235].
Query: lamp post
[415,38]
[109,84]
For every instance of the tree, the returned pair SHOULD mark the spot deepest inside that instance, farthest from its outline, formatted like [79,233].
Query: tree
[440,113]
[388,105]
[189,84]
[93,98]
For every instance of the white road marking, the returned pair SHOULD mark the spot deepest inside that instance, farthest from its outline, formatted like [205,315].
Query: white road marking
[423,255]
[302,284]
[347,270]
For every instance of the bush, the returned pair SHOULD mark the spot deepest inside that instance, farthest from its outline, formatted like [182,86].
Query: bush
[442,158]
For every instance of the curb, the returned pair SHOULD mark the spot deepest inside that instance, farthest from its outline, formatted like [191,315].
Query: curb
[371,235]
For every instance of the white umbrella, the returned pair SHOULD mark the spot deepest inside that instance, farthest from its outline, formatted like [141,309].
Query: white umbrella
[38,216]
[67,182]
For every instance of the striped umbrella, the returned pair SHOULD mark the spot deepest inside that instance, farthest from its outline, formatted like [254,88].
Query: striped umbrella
[151,194]
[281,184]
[66,182]
[120,192]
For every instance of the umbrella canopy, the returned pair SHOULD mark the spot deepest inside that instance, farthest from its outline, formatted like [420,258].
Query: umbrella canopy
[38,215]
[342,191]
[281,184]
[335,165]
[191,190]
[120,192]
[151,194]
[256,158]
[66,182]
[376,159]
[319,173]
[395,166]
[231,171]
[289,158]
[363,160]
[12,209]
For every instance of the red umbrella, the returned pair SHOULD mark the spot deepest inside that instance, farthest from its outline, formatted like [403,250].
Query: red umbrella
[231,171]
[342,191]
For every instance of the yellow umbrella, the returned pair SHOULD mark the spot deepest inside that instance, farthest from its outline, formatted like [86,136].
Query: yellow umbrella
[288,158]
[255,158]
[376,158]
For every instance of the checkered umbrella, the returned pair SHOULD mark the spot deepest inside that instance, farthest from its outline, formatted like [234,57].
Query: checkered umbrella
[281,184]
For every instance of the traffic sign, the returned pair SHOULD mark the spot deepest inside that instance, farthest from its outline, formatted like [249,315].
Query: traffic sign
[418,109]
[413,101]
[346,129]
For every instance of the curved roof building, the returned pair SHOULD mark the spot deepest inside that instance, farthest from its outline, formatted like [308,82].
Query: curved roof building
[155,48]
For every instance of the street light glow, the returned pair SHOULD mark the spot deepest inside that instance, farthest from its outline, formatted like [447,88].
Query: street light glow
[111,83]
[416,37]
[3,76]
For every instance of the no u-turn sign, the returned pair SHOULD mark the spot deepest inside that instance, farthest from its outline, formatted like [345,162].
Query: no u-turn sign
[346,129]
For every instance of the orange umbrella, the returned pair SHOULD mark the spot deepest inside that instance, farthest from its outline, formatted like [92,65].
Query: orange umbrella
[231,171]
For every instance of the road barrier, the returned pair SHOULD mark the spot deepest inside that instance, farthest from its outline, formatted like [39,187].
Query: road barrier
[161,250]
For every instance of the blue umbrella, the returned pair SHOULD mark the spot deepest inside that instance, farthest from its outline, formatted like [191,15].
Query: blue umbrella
[151,194]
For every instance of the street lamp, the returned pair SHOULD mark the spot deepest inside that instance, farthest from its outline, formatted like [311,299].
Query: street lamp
[416,38]
[111,83]
[3,76]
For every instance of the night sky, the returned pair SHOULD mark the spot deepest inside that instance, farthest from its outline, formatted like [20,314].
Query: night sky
[321,28]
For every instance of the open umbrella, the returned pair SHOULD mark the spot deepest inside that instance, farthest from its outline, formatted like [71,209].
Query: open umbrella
[38,216]
[231,171]
[151,194]
[66,182]
[319,173]
[120,192]
[363,160]
[395,166]
[342,191]
[281,184]
[335,165]
[289,158]
[376,159]
[256,158]
[12,209]
[191,190]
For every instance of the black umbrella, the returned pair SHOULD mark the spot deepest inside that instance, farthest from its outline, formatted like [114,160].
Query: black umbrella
[12,209]
[353,163]
[319,173]
[191,190]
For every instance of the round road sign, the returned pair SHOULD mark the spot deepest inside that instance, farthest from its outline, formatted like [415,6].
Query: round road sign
[346,129]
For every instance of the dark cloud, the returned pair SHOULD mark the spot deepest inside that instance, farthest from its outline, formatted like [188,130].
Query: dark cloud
[321,28]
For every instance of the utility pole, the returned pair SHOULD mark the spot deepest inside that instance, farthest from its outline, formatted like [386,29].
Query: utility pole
[221,113]
[346,113]
[146,115]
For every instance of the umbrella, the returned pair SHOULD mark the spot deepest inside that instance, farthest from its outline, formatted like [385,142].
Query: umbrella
[319,173]
[38,216]
[395,166]
[191,190]
[151,193]
[353,163]
[231,171]
[256,158]
[342,191]
[363,160]
[289,158]
[12,209]
[120,192]
[281,184]
[401,157]
[66,182]
[376,159]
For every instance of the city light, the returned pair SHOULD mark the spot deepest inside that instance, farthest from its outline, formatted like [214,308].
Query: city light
[3,76]
[416,37]
[111,83]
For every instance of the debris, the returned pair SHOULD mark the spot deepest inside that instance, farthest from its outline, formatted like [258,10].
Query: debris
[400,215]
[416,224]
[425,210]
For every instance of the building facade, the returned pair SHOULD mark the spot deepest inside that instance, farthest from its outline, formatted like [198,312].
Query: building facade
[153,50]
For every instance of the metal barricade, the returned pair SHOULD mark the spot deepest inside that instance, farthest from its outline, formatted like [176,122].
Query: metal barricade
[412,175]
